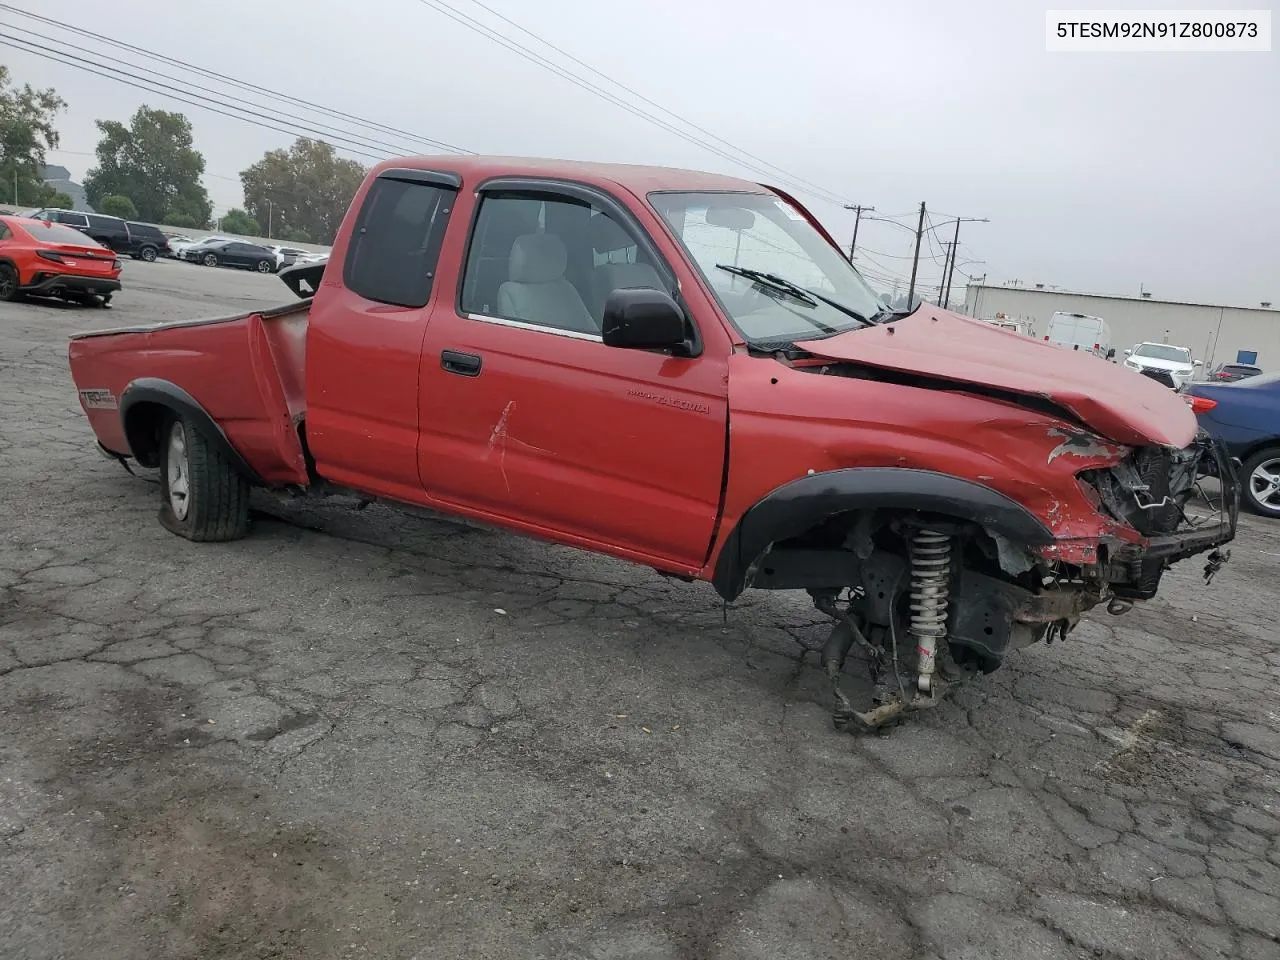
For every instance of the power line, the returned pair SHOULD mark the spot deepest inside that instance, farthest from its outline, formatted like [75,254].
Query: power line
[641,97]
[327,129]
[522,51]
[70,60]
[232,81]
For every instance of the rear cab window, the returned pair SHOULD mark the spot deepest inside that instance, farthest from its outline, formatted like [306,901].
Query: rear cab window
[396,240]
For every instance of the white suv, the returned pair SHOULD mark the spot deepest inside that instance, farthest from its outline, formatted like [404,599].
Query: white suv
[1162,358]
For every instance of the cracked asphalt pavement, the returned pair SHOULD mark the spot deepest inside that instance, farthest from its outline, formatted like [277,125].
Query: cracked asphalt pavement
[365,734]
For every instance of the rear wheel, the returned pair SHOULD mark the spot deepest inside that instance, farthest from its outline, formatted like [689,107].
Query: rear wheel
[210,260]
[8,282]
[1261,474]
[148,254]
[203,498]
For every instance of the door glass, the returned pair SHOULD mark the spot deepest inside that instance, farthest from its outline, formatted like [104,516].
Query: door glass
[551,261]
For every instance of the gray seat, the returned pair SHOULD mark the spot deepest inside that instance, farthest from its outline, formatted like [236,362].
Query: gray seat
[608,238]
[537,291]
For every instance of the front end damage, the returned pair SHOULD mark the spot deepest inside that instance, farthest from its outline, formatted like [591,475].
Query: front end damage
[930,601]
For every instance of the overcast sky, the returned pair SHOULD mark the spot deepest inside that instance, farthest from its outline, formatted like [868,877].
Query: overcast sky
[1099,172]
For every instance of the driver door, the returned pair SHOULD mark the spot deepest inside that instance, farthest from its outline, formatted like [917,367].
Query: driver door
[526,414]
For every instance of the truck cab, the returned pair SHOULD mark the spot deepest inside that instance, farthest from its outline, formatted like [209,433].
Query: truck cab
[681,370]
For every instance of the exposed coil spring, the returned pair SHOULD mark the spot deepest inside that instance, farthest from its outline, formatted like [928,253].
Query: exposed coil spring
[930,597]
[930,583]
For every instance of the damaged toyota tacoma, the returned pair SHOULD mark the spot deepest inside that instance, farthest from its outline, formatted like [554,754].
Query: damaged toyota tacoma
[683,371]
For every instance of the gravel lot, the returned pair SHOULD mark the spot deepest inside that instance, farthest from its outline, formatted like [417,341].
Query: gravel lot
[365,735]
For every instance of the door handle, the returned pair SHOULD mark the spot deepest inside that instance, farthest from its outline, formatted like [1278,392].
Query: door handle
[463,364]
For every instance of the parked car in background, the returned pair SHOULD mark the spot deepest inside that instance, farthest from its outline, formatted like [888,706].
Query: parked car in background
[1162,359]
[1080,331]
[49,259]
[142,241]
[1231,372]
[286,256]
[180,247]
[1245,416]
[146,242]
[233,253]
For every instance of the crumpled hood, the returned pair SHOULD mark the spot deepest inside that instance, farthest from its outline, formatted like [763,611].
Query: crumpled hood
[1116,403]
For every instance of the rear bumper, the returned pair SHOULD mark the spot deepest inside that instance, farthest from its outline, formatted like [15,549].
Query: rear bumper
[55,283]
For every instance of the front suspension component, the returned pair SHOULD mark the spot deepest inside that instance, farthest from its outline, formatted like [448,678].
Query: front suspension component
[930,596]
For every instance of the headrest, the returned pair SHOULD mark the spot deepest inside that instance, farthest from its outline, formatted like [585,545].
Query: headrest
[538,258]
[607,234]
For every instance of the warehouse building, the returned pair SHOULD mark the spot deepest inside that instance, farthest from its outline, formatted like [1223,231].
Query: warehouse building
[1215,334]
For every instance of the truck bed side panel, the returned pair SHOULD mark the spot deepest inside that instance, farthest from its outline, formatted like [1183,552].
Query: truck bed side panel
[246,371]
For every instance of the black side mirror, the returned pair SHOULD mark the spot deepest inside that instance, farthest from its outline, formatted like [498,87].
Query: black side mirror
[642,318]
[1111,353]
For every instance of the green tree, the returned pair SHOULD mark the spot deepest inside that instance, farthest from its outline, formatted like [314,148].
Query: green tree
[182,220]
[58,200]
[114,205]
[152,162]
[26,132]
[307,188]
[292,235]
[237,221]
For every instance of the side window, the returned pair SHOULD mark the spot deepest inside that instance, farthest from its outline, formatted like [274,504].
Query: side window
[5,232]
[550,261]
[396,241]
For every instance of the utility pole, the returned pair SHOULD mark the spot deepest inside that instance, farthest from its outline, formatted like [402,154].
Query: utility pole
[270,217]
[950,270]
[858,210]
[943,283]
[915,261]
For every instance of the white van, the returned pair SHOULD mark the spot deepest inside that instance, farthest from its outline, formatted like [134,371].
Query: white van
[1080,331]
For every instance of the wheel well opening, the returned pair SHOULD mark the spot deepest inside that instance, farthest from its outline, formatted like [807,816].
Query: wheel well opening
[831,552]
[143,426]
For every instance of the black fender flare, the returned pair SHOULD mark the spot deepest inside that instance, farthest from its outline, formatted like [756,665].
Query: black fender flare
[152,390]
[797,506]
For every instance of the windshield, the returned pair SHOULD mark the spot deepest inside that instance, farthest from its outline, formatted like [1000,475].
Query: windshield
[728,235]
[57,233]
[1162,351]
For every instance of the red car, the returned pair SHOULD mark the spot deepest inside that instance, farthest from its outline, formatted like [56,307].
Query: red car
[52,260]
[683,371]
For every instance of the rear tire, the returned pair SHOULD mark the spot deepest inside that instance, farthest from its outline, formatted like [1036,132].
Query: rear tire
[1255,477]
[8,283]
[203,497]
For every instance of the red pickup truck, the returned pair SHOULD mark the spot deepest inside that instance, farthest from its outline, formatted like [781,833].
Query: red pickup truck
[681,370]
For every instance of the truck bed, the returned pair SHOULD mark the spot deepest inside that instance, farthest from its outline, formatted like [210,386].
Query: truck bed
[246,371]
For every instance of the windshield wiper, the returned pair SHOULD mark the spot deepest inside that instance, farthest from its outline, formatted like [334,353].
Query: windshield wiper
[771,280]
[803,294]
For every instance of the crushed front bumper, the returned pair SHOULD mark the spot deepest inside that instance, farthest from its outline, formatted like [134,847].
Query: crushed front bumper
[1135,568]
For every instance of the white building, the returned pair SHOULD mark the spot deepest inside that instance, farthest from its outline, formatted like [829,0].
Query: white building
[1215,334]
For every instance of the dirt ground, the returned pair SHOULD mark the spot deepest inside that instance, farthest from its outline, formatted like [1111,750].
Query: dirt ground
[358,734]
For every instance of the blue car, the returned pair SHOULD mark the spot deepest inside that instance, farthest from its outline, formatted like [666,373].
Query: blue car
[1245,415]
